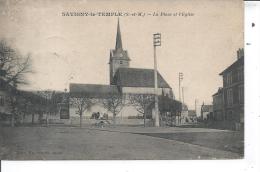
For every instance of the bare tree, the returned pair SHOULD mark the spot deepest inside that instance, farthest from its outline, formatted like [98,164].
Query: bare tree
[114,104]
[82,104]
[48,104]
[140,102]
[13,66]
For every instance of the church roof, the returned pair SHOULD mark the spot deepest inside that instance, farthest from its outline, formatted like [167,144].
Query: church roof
[119,44]
[92,90]
[135,77]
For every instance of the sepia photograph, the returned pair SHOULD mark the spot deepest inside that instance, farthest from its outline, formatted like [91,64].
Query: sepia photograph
[122,80]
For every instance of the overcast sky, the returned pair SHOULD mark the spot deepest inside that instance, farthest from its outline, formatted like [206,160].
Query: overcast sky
[76,49]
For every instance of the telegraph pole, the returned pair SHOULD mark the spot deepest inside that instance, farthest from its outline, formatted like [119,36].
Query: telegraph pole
[196,107]
[180,79]
[156,42]
[182,89]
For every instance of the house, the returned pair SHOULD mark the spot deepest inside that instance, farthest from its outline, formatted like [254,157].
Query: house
[218,99]
[124,80]
[206,112]
[184,114]
[233,91]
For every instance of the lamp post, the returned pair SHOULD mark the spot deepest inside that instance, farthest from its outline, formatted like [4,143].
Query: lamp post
[156,42]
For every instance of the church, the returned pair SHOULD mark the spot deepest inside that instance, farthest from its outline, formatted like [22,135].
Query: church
[124,80]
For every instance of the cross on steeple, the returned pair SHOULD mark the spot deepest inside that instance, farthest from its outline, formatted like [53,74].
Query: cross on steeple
[118,37]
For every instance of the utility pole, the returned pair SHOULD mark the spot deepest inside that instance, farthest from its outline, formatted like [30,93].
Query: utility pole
[180,79]
[196,107]
[182,89]
[156,42]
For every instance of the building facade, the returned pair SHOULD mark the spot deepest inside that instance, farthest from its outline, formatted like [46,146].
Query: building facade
[233,90]
[218,114]
[206,112]
[229,101]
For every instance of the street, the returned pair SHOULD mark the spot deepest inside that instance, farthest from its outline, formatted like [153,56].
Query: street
[115,143]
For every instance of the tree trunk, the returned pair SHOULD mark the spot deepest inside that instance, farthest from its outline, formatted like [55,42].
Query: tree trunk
[114,120]
[41,117]
[80,120]
[47,119]
[144,119]
[171,119]
[32,118]
[13,114]
[23,117]
[12,120]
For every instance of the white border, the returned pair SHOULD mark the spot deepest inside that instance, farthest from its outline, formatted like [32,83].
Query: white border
[252,119]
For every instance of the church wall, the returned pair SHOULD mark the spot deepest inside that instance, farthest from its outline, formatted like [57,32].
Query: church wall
[128,111]
[145,90]
[124,113]
[97,107]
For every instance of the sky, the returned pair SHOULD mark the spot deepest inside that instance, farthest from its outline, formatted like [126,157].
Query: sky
[66,49]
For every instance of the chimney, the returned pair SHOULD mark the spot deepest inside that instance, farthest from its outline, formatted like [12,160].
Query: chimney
[240,53]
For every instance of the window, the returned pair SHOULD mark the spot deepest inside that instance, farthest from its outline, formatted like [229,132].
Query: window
[229,78]
[240,74]
[229,97]
[241,94]
[2,101]
[121,62]
[230,115]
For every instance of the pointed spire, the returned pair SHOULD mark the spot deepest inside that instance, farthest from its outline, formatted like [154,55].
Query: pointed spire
[118,37]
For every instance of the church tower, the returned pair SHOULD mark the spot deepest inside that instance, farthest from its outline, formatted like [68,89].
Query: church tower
[118,57]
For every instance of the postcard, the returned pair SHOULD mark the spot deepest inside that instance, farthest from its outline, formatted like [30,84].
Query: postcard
[121,80]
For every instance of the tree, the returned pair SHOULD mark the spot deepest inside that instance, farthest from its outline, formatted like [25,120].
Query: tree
[82,104]
[13,66]
[114,104]
[48,103]
[140,102]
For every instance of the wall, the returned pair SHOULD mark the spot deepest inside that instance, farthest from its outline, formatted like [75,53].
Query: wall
[98,107]
[145,90]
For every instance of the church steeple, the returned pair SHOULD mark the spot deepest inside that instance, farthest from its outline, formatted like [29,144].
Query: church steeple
[118,57]
[118,37]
